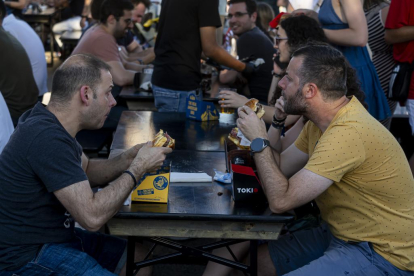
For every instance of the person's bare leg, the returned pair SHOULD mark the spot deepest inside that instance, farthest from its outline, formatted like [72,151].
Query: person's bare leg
[264,262]
[215,269]
[140,253]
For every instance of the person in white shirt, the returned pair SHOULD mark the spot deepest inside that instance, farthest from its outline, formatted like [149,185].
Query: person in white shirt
[33,46]
[6,124]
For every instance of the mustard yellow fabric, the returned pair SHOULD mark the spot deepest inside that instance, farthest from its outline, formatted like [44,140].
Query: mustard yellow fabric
[372,197]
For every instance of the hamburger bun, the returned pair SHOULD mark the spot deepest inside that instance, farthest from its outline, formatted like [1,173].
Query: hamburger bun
[162,139]
[235,139]
[254,105]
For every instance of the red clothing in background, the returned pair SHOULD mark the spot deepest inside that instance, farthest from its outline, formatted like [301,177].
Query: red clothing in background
[401,14]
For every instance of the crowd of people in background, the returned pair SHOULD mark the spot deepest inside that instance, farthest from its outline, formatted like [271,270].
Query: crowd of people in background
[321,69]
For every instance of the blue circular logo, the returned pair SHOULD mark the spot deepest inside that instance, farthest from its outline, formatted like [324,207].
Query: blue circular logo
[160,183]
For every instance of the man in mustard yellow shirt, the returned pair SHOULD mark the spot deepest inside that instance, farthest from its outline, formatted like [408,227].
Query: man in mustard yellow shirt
[345,160]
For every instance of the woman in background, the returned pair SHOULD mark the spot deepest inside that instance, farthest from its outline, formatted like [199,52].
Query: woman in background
[345,26]
[265,14]
[376,12]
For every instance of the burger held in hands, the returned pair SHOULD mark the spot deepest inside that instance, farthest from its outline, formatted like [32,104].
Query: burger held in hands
[234,135]
[162,139]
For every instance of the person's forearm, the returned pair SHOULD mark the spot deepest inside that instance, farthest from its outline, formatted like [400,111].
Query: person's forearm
[347,37]
[274,139]
[135,51]
[279,143]
[103,171]
[123,77]
[228,77]
[87,8]
[146,56]
[60,3]
[273,86]
[21,4]
[292,134]
[400,35]
[274,183]
[134,66]
[106,203]
[221,56]
[269,112]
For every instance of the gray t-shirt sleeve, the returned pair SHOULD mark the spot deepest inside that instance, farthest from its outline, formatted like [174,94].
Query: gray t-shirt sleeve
[56,160]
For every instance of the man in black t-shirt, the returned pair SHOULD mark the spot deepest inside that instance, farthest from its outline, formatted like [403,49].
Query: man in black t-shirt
[46,180]
[186,28]
[252,42]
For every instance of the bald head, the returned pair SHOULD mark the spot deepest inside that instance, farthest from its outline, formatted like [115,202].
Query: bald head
[77,71]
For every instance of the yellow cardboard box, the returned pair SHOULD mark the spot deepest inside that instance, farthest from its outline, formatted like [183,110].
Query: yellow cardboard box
[153,187]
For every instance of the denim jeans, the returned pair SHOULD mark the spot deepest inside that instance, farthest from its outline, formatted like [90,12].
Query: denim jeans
[317,252]
[90,254]
[167,100]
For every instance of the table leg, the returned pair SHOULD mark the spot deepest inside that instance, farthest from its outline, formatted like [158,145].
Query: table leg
[130,264]
[253,257]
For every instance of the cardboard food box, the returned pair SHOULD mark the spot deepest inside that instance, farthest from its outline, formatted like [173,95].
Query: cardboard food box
[200,110]
[153,187]
[246,186]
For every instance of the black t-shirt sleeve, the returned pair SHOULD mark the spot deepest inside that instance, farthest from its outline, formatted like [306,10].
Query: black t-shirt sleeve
[56,160]
[208,14]
[246,45]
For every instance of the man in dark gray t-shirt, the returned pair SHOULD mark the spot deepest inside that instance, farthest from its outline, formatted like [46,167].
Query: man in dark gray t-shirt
[46,180]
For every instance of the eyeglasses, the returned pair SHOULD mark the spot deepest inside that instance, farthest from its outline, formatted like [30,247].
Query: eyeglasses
[127,21]
[277,40]
[237,15]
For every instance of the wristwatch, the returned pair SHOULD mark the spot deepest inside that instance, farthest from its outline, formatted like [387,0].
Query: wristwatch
[258,145]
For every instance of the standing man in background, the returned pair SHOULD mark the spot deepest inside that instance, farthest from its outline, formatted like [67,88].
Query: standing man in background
[186,29]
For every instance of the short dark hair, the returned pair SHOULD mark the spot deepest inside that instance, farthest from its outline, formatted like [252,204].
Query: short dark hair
[2,10]
[146,3]
[326,67]
[302,29]
[251,5]
[96,9]
[76,71]
[115,8]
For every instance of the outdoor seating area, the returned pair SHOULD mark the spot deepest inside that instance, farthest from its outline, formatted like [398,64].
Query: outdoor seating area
[206,137]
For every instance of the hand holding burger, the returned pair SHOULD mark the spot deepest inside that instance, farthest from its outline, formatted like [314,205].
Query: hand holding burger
[249,122]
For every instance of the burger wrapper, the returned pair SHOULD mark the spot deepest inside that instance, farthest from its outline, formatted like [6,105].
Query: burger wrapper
[244,141]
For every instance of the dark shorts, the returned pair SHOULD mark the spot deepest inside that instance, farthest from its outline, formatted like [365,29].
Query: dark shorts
[317,252]
[89,254]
